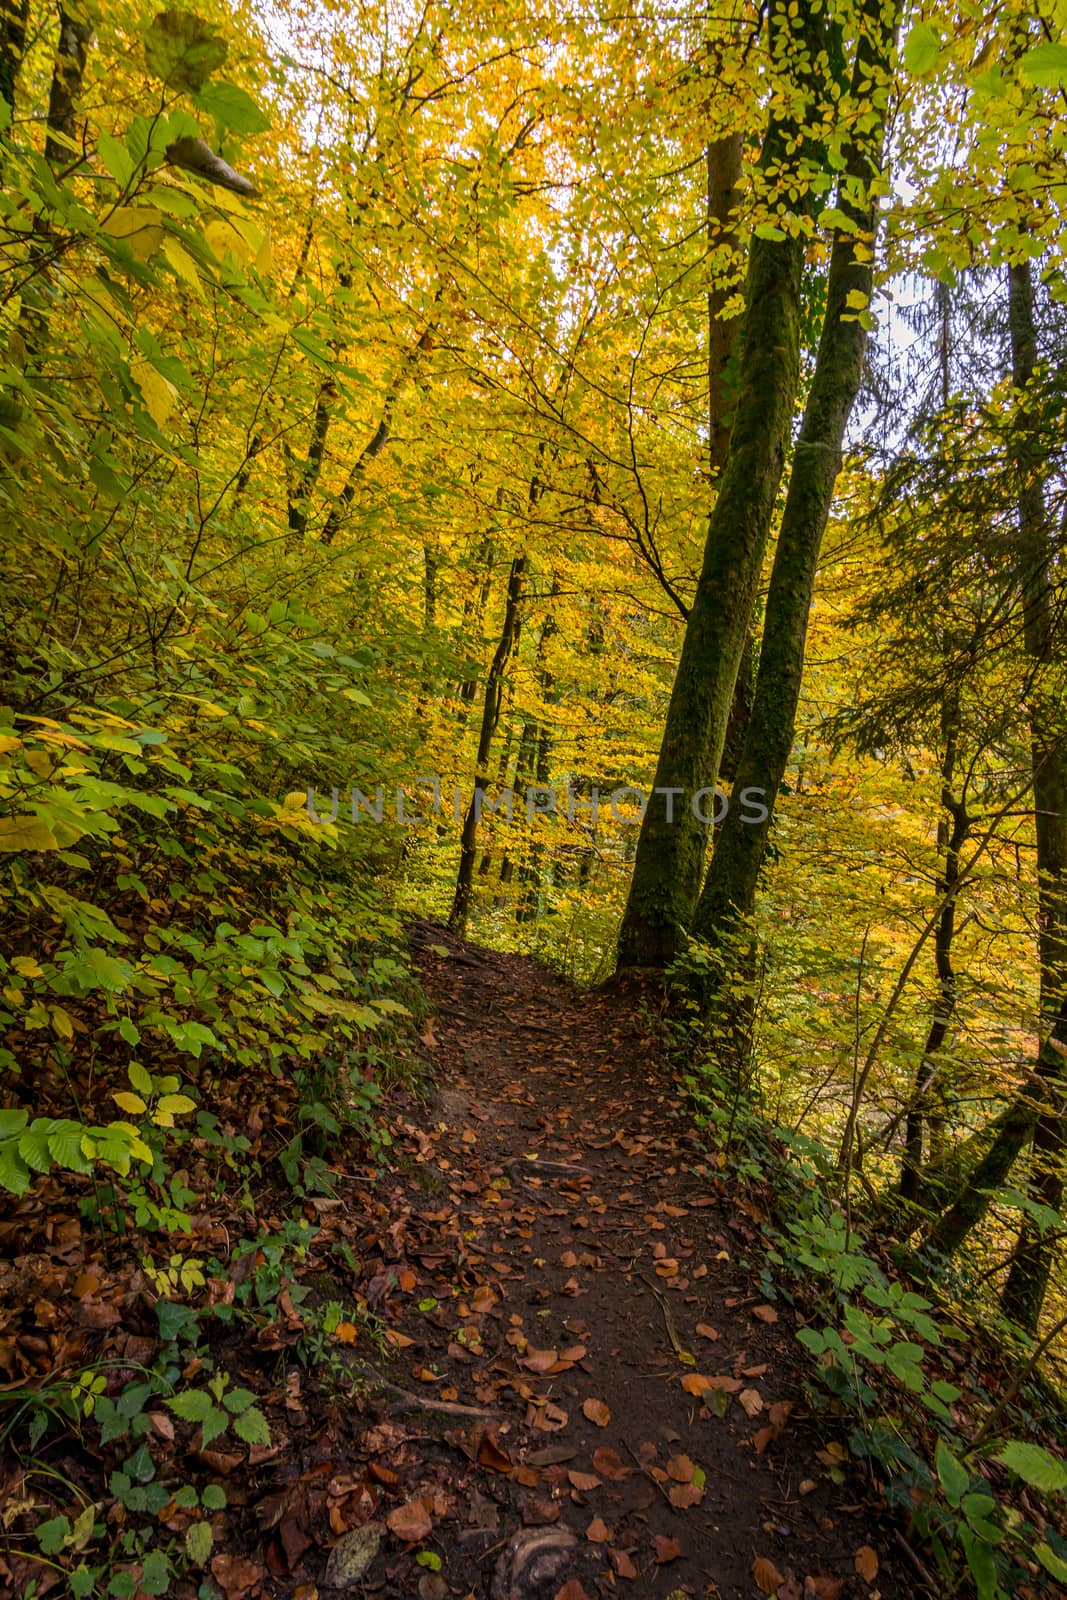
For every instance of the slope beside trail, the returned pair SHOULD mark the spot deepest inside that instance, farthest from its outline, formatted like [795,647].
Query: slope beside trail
[589,1393]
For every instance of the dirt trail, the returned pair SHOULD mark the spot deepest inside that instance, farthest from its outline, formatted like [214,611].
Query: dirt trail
[570,1263]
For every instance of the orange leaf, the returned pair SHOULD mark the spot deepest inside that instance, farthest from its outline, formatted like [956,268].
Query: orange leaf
[765,1314]
[596,1411]
[681,1469]
[706,1331]
[346,1333]
[684,1495]
[598,1531]
[540,1360]
[866,1563]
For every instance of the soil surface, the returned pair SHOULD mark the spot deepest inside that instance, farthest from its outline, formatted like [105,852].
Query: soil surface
[569,1261]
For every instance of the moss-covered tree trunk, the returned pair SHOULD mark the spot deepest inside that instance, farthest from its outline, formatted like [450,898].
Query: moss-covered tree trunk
[670,849]
[730,889]
[1024,1292]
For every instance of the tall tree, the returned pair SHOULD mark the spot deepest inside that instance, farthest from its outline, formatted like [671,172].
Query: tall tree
[671,845]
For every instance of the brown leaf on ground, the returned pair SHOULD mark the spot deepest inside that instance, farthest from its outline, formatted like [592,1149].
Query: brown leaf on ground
[706,1331]
[681,1469]
[765,1313]
[236,1576]
[598,1531]
[866,1563]
[765,1576]
[584,1482]
[823,1588]
[596,1411]
[752,1401]
[572,1590]
[683,1496]
[410,1521]
[609,1463]
[624,1567]
[666,1549]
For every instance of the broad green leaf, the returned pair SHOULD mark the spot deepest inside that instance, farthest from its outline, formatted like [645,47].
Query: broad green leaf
[1033,1464]
[1046,66]
[232,107]
[921,49]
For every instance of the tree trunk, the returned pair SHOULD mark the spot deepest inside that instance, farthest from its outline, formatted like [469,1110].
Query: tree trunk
[14,15]
[1024,1292]
[670,850]
[952,835]
[729,893]
[494,685]
[68,72]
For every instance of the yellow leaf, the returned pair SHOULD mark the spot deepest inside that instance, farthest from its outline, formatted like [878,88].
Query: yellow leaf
[28,967]
[138,227]
[26,832]
[181,261]
[130,1102]
[158,394]
[61,1023]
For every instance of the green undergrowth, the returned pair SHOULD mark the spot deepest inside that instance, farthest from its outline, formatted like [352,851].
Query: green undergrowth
[943,1408]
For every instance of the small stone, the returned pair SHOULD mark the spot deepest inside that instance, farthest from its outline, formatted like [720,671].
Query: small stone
[352,1555]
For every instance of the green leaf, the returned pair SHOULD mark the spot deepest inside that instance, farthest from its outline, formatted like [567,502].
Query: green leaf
[430,1559]
[252,1427]
[183,50]
[192,1405]
[1046,66]
[214,1423]
[116,158]
[1051,1562]
[139,1078]
[156,1573]
[199,1542]
[213,1496]
[13,1121]
[232,107]
[14,1174]
[982,1565]
[1034,1465]
[921,49]
[53,1535]
[768,230]
[238,1400]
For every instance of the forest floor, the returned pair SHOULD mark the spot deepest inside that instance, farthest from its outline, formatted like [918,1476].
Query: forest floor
[574,1378]
[571,1262]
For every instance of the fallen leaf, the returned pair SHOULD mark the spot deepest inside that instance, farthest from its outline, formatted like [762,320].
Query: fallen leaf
[624,1567]
[572,1590]
[598,1531]
[584,1482]
[596,1411]
[765,1576]
[823,1588]
[346,1333]
[410,1521]
[683,1496]
[752,1401]
[236,1575]
[666,1549]
[706,1331]
[681,1469]
[765,1314]
[352,1555]
[540,1361]
[866,1563]
[609,1463]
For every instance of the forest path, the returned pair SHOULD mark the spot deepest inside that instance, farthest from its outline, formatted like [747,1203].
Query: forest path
[566,1259]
